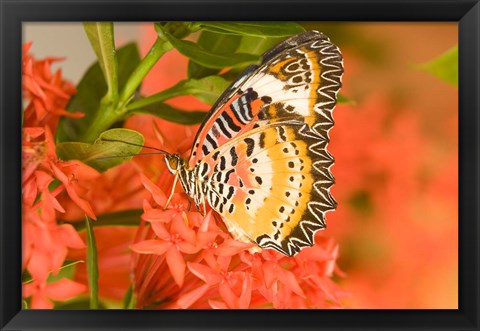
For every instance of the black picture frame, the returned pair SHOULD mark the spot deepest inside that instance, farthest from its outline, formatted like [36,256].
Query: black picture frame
[14,12]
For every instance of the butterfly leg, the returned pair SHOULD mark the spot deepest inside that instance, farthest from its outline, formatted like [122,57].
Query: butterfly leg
[204,211]
[175,179]
[189,204]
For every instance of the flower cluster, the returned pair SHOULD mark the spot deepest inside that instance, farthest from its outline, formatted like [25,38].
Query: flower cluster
[189,261]
[186,260]
[45,240]
[47,92]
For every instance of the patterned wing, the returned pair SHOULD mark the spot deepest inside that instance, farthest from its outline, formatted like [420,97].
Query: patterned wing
[271,185]
[298,79]
[263,150]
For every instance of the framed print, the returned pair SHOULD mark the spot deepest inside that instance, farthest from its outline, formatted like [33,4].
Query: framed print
[250,165]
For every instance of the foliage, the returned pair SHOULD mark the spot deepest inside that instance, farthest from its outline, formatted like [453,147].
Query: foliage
[444,66]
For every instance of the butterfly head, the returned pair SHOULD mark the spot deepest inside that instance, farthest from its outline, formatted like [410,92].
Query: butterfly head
[174,163]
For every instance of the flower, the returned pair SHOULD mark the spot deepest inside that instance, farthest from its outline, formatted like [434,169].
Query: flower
[114,261]
[40,166]
[185,260]
[47,92]
[45,179]
[42,293]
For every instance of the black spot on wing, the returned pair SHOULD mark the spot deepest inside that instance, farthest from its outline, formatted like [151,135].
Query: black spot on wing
[250,145]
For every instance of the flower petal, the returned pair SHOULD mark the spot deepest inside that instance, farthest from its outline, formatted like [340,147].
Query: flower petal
[70,237]
[189,298]
[64,289]
[187,248]
[232,247]
[228,295]
[158,215]
[179,226]
[289,280]
[157,247]
[269,274]
[205,238]
[176,264]
[206,222]
[215,304]
[157,194]
[204,273]
[246,296]
[160,230]
[40,301]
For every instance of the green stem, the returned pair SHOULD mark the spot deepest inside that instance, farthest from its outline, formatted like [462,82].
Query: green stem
[159,48]
[92,264]
[103,120]
[158,97]
[109,113]
[129,217]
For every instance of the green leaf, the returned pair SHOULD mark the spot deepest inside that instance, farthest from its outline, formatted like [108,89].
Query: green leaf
[361,201]
[66,271]
[26,277]
[101,38]
[258,29]
[92,264]
[252,45]
[258,45]
[78,303]
[129,299]
[172,114]
[345,100]
[214,43]
[129,217]
[444,67]
[206,89]
[91,90]
[207,58]
[112,148]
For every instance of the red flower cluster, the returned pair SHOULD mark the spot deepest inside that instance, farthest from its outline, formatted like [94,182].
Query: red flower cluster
[45,240]
[189,261]
[47,92]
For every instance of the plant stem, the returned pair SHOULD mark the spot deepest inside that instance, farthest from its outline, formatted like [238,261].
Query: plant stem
[110,113]
[129,217]
[159,48]
[92,264]
[104,118]
[158,97]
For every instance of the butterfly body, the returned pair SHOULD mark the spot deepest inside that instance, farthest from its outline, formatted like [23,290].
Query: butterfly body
[260,157]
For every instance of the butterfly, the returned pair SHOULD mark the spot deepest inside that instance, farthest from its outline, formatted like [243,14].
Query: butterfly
[260,157]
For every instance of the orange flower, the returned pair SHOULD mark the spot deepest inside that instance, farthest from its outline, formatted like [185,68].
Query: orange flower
[114,261]
[40,164]
[188,261]
[47,92]
[45,244]
[43,293]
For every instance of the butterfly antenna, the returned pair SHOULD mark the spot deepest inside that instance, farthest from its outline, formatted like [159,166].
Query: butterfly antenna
[127,156]
[160,151]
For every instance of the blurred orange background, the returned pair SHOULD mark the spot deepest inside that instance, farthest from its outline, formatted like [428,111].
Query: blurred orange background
[396,167]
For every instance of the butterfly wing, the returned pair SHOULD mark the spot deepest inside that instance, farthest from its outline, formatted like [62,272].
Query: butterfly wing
[299,78]
[264,145]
